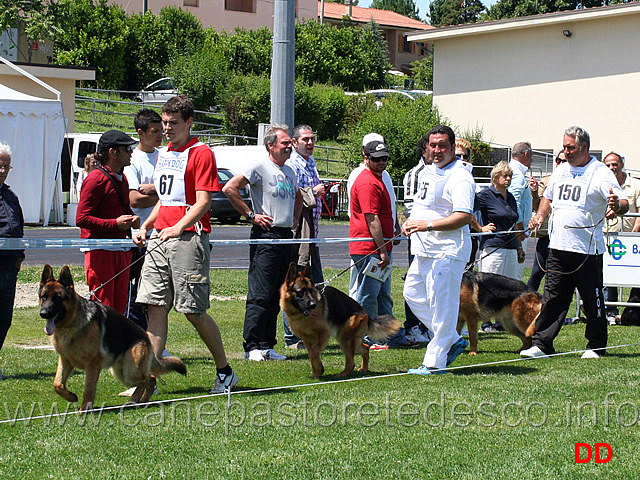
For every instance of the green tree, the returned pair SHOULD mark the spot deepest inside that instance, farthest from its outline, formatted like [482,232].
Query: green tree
[184,32]
[454,12]
[39,17]
[147,47]
[422,72]
[520,8]
[403,7]
[247,51]
[93,34]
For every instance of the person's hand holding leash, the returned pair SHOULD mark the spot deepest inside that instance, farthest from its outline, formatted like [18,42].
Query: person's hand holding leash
[613,205]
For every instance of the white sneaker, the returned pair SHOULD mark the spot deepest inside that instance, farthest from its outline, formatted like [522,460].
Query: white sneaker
[255,355]
[533,352]
[416,335]
[271,354]
[611,318]
[590,354]
[224,383]
[464,332]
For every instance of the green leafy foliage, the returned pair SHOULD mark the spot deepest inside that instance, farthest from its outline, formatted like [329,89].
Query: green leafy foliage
[248,52]
[95,35]
[200,76]
[422,71]
[183,31]
[353,57]
[519,8]
[246,101]
[147,40]
[402,123]
[322,106]
[403,7]
[454,12]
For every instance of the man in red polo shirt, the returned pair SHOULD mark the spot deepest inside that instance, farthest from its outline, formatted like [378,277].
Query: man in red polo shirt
[176,270]
[104,212]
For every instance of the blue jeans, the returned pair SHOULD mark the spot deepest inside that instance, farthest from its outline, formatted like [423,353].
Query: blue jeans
[373,295]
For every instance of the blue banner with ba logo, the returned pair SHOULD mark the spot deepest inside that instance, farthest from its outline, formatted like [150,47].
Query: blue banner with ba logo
[622,260]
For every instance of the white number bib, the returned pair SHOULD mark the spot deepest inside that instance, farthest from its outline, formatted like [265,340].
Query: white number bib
[571,190]
[168,177]
[430,188]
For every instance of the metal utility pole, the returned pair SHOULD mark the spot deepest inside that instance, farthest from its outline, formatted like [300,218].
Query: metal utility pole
[283,63]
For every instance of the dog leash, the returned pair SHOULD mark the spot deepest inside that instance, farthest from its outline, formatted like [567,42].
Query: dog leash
[324,284]
[92,293]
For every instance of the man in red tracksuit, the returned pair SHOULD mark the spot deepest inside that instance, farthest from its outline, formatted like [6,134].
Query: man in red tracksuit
[104,212]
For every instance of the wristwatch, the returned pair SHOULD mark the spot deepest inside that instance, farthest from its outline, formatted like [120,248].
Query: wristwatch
[251,215]
[429,227]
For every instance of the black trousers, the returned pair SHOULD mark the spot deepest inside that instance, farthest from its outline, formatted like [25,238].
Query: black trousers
[558,292]
[268,265]
[537,273]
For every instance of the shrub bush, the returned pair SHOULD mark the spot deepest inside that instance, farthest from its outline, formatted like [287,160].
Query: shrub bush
[246,101]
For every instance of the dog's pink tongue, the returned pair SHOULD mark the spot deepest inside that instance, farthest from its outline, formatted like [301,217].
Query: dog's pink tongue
[51,326]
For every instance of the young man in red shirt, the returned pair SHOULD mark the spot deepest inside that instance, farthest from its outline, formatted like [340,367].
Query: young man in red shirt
[176,270]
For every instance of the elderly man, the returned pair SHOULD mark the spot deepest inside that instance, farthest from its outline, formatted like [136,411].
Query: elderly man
[521,188]
[582,193]
[104,212]
[277,202]
[304,166]
[11,226]
[441,245]
[631,187]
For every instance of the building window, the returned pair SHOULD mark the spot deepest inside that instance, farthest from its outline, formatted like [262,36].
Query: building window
[404,45]
[190,3]
[247,6]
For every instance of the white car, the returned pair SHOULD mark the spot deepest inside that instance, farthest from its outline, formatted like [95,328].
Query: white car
[157,92]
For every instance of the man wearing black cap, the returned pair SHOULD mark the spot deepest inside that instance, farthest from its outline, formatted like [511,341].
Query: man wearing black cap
[104,212]
[372,215]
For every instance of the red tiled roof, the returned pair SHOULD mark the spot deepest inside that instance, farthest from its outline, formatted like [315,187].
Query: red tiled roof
[364,15]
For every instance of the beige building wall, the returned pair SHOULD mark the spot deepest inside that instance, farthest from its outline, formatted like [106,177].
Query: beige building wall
[531,83]
[62,79]
[213,13]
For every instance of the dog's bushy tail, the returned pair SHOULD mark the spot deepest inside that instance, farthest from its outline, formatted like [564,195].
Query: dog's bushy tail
[163,365]
[383,327]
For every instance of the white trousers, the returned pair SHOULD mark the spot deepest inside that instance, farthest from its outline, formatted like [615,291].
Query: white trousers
[432,290]
[503,261]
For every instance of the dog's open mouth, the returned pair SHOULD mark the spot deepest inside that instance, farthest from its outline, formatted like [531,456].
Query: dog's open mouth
[51,325]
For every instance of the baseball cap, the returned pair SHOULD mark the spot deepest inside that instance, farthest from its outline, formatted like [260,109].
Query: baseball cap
[114,138]
[372,137]
[376,149]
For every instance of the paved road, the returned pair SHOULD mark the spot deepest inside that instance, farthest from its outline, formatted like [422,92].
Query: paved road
[222,256]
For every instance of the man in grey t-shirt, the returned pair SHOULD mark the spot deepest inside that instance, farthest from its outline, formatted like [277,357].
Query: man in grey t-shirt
[277,203]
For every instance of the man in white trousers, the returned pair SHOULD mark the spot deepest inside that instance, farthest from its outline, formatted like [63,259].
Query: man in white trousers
[441,245]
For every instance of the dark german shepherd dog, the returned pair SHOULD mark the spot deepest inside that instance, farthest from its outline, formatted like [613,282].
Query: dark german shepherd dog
[315,316]
[92,336]
[487,295]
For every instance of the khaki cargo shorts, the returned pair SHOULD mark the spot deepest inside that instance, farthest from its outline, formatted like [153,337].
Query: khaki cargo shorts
[176,273]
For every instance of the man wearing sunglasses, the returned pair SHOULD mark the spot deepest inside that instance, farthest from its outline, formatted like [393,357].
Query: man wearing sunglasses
[104,212]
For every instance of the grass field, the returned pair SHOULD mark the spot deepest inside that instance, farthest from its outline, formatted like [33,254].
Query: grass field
[516,420]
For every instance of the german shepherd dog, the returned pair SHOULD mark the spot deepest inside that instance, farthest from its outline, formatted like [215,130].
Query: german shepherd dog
[487,295]
[315,316]
[92,336]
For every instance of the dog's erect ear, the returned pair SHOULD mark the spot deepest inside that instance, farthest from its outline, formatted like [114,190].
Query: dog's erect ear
[292,273]
[307,270]
[47,275]
[66,278]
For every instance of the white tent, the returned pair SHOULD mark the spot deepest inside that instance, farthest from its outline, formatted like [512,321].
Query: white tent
[34,129]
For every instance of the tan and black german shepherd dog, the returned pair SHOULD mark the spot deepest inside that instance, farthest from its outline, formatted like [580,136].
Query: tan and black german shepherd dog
[315,316]
[487,295]
[91,336]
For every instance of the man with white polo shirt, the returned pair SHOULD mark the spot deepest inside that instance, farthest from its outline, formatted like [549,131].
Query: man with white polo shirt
[441,244]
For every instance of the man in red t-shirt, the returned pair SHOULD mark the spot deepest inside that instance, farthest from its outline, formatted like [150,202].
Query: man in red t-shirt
[104,212]
[176,272]
[371,216]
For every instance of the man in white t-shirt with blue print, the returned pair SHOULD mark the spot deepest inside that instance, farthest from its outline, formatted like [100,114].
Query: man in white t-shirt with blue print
[581,194]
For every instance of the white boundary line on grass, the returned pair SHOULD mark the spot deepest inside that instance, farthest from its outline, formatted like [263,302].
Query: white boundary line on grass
[300,385]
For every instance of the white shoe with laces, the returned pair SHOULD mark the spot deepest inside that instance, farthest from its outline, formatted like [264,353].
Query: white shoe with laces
[590,354]
[416,335]
[255,355]
[533,352]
